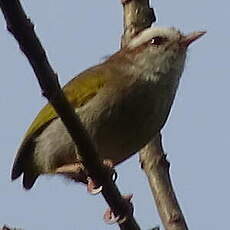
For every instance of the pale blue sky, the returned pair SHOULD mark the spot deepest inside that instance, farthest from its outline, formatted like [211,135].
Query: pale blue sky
[78,35]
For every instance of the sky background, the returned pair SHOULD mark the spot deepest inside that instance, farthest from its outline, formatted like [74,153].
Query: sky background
[80,34]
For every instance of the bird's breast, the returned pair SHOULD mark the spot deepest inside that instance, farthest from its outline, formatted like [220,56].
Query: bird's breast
[122,122]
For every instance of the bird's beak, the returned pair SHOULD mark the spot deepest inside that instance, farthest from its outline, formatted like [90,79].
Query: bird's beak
[186,40]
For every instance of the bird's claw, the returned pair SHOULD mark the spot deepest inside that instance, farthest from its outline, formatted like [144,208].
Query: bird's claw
[92,188]
[114,176]
[78,173]
[109,216]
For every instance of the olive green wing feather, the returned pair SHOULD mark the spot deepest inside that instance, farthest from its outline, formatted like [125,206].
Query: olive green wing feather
[78,92]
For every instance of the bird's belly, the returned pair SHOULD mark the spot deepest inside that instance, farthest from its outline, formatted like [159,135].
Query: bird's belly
[116,139]
[122,136]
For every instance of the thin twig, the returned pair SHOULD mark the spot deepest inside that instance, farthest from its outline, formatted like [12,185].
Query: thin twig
[137,16]
[5,227]
[23,31]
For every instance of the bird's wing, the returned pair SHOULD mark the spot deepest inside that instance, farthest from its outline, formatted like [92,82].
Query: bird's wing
[78,91]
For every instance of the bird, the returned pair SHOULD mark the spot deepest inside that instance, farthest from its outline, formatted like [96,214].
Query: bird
[122,103]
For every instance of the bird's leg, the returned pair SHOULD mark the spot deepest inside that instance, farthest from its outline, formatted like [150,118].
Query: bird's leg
[78,173]
[109,216]
[75,171]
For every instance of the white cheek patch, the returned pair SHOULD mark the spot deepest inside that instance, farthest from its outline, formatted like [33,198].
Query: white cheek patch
[147,34]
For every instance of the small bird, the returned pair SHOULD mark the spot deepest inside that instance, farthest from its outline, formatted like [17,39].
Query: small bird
[122,103]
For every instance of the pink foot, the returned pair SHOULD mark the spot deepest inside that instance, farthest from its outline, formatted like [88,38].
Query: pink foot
[125,1]
[92,188]
[78,173]
[109,216]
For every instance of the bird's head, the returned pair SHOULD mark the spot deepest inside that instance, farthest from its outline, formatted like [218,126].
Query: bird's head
[160,49]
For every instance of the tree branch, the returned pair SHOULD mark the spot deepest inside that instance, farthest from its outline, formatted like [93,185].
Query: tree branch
[23,31]
[153,161]
[137,16]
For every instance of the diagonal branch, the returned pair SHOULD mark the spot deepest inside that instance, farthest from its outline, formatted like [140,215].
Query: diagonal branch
[23,31]
[138,16]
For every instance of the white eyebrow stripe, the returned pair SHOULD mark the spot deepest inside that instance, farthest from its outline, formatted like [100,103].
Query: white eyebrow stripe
[141,38]
[149,33]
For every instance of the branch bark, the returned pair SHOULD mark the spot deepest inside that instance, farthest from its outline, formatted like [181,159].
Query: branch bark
[154,162]
[137,16]
[23,31]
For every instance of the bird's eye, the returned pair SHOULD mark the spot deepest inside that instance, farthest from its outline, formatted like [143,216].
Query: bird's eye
[158,40]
